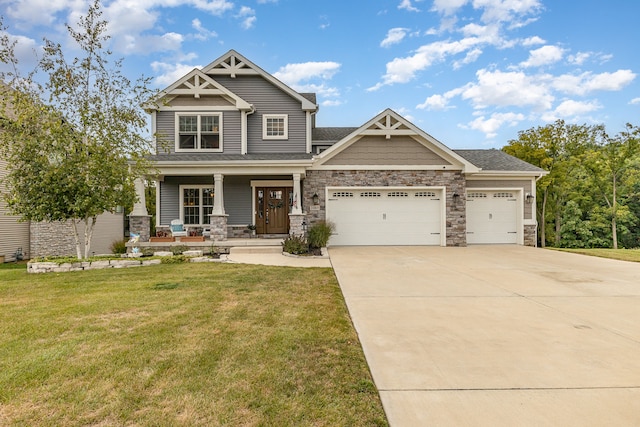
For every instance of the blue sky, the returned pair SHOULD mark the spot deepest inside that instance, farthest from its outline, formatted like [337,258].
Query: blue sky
[472,73]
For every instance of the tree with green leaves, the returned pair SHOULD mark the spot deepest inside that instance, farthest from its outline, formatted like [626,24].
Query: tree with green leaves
[556,148]
[609,165]
[75,143]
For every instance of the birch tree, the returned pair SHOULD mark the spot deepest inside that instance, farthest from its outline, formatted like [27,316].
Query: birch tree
[74,143]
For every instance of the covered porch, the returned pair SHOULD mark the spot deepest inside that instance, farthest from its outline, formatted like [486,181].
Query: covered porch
[219,203]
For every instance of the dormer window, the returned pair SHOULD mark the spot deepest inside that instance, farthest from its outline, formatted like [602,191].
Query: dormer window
[201,132]
[275,126]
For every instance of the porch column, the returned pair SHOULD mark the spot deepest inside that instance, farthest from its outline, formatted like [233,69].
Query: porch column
[218,219]
[297,199]
[296,217]
[218,194]
[139,218]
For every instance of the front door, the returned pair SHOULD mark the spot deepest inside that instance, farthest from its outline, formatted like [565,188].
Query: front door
[272,209]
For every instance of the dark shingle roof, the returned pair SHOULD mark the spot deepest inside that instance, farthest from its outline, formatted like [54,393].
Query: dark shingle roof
[212,157]
[496,160]
[331,134]
[311,97]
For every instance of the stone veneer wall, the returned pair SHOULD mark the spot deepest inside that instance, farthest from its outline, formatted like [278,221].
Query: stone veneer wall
[454,182]
[531,235]
[52,239]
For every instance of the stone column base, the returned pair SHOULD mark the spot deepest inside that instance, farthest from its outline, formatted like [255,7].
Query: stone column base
[297,224]
[140,224]
[218,226]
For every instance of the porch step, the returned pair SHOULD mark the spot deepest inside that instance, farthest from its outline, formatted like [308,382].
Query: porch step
[255,250]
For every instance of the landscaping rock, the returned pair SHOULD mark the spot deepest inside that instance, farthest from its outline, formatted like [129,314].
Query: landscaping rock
[192,254]
[152,262]
[163,253]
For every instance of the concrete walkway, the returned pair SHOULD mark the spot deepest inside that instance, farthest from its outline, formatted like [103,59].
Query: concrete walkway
[496,335]
[273,256]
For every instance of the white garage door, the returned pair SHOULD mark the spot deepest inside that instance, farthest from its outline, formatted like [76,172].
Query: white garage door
[492,217]
[375,216]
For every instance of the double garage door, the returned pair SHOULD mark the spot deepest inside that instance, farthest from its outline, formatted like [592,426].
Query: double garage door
[386,216]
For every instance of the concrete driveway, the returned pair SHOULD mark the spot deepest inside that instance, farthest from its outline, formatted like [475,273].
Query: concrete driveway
[496,335]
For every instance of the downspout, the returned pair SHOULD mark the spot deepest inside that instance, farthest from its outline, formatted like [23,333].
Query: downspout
[244,129]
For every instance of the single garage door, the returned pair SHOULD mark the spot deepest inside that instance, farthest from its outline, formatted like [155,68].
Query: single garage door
[376,216]
[492,217]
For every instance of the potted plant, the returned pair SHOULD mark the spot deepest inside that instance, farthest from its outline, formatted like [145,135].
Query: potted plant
[252,229]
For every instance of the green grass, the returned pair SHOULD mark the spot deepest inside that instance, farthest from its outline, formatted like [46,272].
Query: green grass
[621,254]
[177,345]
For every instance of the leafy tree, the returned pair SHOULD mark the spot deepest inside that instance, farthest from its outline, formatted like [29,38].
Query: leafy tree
[575,231]
[557,148]
[73,153]
[608,164]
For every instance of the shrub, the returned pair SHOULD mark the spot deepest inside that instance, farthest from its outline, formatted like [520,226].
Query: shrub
[179,249]
[319,234]
[119,246]
[296,245]
[176,259]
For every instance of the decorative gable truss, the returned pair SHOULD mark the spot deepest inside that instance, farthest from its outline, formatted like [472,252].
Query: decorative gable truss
[198,84]
[387,142]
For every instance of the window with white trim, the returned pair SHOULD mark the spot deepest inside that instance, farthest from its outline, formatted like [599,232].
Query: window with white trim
[275,126]
[196,203]
[201,132]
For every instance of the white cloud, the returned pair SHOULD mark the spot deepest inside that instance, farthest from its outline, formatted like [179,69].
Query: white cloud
[331,103]
[406,5]
[570,108]
[635,101]
[202,33]
[507,10]
[497,88]
[448,7]
[543,56]
[532,41]
[394,36]
[579,58]
[292,74]
[588,82]
[130,44]
[170,73]
[248,17]
[472,56]
[435,103]
[490,126]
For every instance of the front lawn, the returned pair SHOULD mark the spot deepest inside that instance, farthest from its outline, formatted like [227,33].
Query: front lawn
[189,344]
[621,254]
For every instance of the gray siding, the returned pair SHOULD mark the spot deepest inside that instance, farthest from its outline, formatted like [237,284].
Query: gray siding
[377,150]
[231,124]
[238,200]
[170,195]
[14,234]
[268,99]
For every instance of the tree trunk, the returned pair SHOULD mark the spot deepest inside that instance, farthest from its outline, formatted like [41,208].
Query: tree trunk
[89,225]
[558,225]
[614,214]
[76,236]
[541,223]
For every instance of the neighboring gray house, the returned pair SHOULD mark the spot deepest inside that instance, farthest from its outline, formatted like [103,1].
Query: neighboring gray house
[236,146]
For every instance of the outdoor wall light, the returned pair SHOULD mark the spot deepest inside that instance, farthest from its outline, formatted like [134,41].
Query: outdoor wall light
[529,198]
[316,199]
[456,197]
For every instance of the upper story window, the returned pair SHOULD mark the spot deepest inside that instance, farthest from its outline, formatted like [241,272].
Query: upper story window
[199,132]
[275,126]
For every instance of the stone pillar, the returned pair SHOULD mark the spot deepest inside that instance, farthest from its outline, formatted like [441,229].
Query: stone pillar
[139,218]
[296,224]
[297,200]
[218,194]
[140,224]
[218,226]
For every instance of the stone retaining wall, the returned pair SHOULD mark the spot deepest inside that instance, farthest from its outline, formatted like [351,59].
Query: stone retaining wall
[54,267]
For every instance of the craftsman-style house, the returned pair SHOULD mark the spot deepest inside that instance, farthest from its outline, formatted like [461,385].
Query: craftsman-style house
[236,147]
